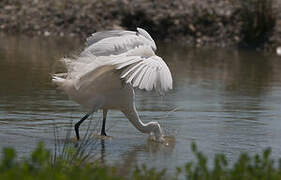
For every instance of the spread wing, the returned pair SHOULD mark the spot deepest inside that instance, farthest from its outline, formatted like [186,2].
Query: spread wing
[130,53]
[145,72]
[117,42]
[95,37]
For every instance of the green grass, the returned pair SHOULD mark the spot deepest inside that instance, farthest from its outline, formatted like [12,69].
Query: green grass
[245,168]
[39,165]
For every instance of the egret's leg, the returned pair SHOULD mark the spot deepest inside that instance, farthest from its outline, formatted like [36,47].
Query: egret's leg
[103,122]
[76,127]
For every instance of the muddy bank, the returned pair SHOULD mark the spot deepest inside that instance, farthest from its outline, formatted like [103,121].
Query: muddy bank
[198,23]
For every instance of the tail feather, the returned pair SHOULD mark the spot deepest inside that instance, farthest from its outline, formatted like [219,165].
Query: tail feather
[58,80]
[62,83]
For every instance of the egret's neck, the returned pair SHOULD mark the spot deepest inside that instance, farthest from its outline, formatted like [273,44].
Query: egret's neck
[151,127]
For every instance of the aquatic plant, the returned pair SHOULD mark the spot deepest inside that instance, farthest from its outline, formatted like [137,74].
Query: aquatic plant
[246,167]
[39,166]
[69,150]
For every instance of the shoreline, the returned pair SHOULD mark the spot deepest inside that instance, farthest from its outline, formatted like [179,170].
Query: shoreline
[208,22]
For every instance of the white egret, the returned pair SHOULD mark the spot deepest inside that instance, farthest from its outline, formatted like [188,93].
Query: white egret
[107,71]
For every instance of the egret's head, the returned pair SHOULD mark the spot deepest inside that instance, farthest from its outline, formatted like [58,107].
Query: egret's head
[157,131]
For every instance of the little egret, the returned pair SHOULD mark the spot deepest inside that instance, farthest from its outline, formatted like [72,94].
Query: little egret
[105,74]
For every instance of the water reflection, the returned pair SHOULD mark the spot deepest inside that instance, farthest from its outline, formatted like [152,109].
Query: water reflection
[131,158]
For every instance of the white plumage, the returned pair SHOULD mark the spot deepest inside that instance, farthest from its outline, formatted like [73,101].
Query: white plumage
[112,64]
[117,42]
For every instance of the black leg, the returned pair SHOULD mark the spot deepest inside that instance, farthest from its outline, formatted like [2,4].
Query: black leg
[76,127]
[103,123]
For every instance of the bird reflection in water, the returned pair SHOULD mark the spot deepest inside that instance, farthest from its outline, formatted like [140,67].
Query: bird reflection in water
[129,159]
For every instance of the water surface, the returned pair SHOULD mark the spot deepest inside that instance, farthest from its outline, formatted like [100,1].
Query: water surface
[228,101]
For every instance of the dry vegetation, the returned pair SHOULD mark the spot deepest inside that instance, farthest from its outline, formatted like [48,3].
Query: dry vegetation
[249,23]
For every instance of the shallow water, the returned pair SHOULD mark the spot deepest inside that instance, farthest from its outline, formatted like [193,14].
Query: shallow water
[225,100]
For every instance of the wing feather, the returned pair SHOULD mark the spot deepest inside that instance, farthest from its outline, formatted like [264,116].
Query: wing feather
[95,37]
[136,70]
[148,80]
[117,42]
[132,61]
[139,78]
[146,73]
